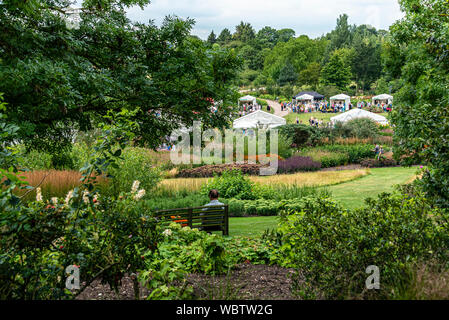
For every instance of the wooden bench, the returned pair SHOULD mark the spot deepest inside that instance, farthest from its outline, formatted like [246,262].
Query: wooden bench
[207,218]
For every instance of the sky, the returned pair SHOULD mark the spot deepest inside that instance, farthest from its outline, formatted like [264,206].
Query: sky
[310,17]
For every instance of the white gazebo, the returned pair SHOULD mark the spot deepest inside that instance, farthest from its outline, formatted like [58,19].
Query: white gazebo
[341,98]
[305,97]
[248,99]
[383,98]
[259,119]
[359,113]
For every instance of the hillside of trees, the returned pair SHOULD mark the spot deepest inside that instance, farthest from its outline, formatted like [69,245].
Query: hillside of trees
[349,59]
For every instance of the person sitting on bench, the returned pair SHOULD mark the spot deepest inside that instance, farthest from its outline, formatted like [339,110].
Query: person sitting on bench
[213,196]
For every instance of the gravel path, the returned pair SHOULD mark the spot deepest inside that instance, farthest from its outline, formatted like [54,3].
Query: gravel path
[277,108]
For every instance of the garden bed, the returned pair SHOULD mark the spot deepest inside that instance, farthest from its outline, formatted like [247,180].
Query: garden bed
[211,170]
[246,282]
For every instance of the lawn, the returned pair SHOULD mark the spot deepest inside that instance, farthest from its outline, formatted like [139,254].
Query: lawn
[251,227]
[351,194]
[304,117]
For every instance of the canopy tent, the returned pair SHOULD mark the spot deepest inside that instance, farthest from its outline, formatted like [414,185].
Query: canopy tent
[305,97]
[247,99]
[245,125]
[383,98]
[315,95]
[359,113]
[341,98]
[259,119]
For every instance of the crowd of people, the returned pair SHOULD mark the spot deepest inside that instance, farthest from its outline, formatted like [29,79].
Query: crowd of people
[322,106]
[248,108]
[330,107]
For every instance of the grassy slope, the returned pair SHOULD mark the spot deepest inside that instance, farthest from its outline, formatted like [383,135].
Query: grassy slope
[350,194]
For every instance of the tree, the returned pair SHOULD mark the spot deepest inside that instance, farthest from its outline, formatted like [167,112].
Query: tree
[267,37]
[299,52]
[421,113]
[212,38]
[337,72]
[366,65]
[57,79]
[310,75]
[225,36]
[342,35]
[244,32]
[287,75]
[285,35]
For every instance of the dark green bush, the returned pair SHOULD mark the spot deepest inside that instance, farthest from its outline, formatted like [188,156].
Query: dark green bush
[362,128]
[332,247]
[334,160]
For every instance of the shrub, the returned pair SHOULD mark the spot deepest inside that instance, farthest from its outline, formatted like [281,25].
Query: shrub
[355,152]
[231,184]
[134,164]
[262,207]
[218,169]
[374,163]
[187,201]
[298,163]
[334,159]
[300,134]
[362,128]
[332,247]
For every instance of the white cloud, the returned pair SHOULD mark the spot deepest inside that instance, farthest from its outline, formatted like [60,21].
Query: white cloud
[312,18]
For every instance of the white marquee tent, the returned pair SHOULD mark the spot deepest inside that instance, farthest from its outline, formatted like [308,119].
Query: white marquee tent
[359,113]
[259,119]
[247,99]
[383,98]
[305,97]
[341,98]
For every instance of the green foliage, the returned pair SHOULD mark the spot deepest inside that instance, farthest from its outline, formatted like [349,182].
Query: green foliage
[263,207]
[134,164]
[337,72]
[106,237]
[332,247]
[334,159]
[419,53]
[300,134]
[361,128]
[231,184]
[338,155]
[57,79]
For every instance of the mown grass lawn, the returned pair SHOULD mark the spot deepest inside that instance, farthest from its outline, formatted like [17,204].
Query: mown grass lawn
[252,226]
[304,117]
[351,194]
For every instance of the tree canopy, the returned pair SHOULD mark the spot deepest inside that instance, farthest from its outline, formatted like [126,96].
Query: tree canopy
[57,78]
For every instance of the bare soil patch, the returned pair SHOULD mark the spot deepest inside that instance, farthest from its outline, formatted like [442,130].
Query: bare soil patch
[245,282]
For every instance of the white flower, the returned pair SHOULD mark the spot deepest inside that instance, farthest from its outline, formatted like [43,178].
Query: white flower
[68,197]
[139,194]
[39,195]
[135,186]
[85,197]
[54,200]
[167,232]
